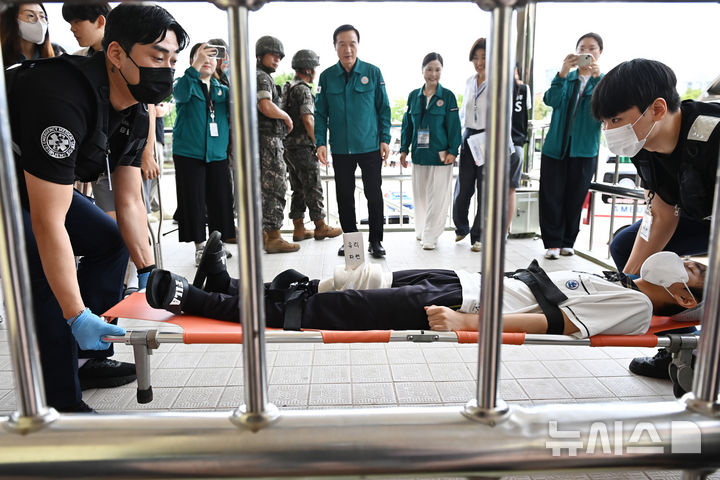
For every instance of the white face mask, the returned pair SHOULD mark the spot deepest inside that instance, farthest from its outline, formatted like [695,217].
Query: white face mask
[33,32]
[622,141]
[664,269]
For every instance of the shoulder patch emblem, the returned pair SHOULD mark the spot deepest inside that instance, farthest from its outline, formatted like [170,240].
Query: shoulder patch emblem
[219,92]
[440,103]
[364,80]
[572,284]
[319,88]
[57,142]
[702,128]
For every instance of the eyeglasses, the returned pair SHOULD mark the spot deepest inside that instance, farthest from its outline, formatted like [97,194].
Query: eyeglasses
[29,16]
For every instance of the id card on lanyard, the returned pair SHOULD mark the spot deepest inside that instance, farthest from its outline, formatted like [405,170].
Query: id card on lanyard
[211,109]
[423,133]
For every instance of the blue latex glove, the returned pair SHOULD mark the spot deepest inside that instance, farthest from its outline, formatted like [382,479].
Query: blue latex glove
[142,280]
[88,329]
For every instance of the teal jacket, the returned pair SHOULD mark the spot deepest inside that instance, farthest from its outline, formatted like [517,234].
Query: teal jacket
[357,113]
[191,134]
[580,130]
[440,117]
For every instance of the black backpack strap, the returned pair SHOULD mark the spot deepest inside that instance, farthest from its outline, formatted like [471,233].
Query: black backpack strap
[290,288]
[547,294]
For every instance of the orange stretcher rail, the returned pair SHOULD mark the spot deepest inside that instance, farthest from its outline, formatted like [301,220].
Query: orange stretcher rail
[206,330]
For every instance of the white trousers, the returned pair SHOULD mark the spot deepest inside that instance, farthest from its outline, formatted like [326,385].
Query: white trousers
[431,195]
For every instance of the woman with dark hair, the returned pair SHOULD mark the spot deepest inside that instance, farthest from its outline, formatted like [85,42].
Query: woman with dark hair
[431,127]
[200,151]
[569,154]
[24,33]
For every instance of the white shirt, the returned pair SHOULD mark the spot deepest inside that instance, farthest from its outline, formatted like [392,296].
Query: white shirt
[594,305]
[474,106]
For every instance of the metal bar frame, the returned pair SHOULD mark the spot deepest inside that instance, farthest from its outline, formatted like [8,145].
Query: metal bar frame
[340,442]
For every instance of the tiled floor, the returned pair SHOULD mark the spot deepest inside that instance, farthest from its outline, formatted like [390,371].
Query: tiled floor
[210,377]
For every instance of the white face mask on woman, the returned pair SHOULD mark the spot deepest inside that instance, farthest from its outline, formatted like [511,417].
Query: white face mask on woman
[664,269]
[622,141]
[33,32]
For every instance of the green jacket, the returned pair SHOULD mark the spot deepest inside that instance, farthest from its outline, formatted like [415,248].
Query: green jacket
[440,117]
[581,131]
[191,134]
[356,112]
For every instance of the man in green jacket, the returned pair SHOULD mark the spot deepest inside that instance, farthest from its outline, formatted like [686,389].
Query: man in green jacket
[352,103]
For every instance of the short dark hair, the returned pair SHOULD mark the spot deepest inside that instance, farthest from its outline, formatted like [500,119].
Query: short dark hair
[90,13]
[129,24]
[345,28]
[430,57]
[635,83]
[594,36]
[672,308]
[478,45]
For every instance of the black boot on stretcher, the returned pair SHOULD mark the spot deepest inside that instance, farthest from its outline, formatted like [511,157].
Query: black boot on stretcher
[166,291]
[211,274]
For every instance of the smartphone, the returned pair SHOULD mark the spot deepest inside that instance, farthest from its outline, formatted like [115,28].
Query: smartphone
[584,59]
[220,50]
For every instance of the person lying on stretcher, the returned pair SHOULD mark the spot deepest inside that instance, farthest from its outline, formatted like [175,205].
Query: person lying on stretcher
[572,303]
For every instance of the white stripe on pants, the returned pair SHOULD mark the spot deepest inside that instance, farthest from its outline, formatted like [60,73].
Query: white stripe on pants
[431,195]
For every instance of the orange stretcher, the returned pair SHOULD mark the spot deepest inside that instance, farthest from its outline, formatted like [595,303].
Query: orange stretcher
[206,330]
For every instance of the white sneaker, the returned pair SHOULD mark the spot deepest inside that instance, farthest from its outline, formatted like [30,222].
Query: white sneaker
[428,246]
[552,253]
[566,252]
[476,247]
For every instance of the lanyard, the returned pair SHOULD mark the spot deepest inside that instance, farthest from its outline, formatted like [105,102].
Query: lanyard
[208,100]
[477,95]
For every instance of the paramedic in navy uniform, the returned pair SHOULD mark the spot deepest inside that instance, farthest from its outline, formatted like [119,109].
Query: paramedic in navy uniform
[73,118]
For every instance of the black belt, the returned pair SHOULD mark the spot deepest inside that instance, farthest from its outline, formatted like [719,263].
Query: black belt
[289,290]
[547,294]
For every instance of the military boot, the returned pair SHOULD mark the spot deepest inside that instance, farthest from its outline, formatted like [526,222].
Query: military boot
[274,243]
[300,232]
[323,230]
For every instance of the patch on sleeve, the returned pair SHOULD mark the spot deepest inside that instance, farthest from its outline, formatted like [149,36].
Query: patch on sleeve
[702,128]
[319,89]
[454,109]
[58,142]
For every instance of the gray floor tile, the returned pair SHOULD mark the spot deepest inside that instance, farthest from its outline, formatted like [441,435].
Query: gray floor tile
[624,387]
[604,368]
[585,388]
[544,388]
[618,476]
[411,372]
[516,353]
[442,355]
[583,353]
[236,377]
[289,395]
[397,356]
[232,397]
[550,352]
[170,377]
[330,374]
[111,399]
[417,392]
[456,392]
[190,348]
[511,390]
[290,375]
[5,362]
[527,370]
[449,372]
[331,357]
[215,359]
[368,357]
[468,353]
[293,358]
[181,360]
[330,394]
[566,368]
[198,397]
[207,377]
[163,398]
[370,373]
[364,394]
[6,379]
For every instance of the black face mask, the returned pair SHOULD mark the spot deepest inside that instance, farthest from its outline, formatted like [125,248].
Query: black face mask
[156,84]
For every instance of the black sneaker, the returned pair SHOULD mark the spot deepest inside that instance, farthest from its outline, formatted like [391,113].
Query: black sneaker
[655,367]
[212,261]
[105,373]
[80,407]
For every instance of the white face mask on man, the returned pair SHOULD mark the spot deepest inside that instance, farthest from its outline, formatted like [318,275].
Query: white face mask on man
[33,32]
[623,141]
[664,269]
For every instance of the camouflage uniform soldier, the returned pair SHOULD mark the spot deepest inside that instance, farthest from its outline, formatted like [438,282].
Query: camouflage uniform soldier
[299,103]
[272,121]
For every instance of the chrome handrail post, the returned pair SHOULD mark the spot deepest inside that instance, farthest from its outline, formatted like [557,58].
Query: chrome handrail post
[500,65]
[256,412]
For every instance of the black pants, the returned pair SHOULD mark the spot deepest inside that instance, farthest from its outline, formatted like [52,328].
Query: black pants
[469,181]
[564,184]
[96,239]
[203,189]
[400,307]
[370,165]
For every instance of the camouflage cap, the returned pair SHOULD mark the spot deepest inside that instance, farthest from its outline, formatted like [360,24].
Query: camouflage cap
[268,44]
[305,59]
